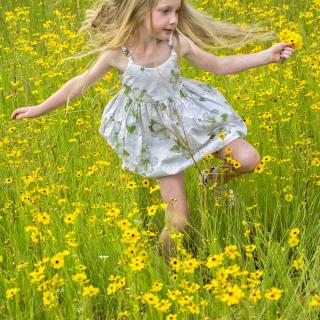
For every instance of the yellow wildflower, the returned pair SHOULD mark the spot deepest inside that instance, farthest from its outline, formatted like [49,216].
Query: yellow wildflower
[294,232]
[232,295]
[298,263]
[214,261]
[173,294]
[151,298]
[288,197]
[80,277]
[315,302]
[156,286]
[10,293]
[137,264]
[163,305]
[291,37]
[49,299]
[293,241]
[151,211]
[231,252]
[255,295]
[57,261]
[189,265]
[90,291]
[273,294]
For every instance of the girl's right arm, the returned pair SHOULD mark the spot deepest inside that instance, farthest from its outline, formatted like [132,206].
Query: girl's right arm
[70,90]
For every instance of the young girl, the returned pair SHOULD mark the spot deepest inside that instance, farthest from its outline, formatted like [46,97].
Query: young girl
[161,123]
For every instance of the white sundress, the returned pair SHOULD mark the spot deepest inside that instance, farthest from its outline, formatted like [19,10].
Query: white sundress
[161,123]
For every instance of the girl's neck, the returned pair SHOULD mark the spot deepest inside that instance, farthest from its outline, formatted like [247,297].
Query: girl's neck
[143,43]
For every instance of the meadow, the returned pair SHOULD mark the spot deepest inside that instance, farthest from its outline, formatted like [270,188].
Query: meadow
[79,235]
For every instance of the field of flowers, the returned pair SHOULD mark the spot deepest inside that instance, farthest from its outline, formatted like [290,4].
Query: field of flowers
[79,235]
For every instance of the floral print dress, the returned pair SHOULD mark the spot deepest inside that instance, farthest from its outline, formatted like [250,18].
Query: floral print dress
[161,123]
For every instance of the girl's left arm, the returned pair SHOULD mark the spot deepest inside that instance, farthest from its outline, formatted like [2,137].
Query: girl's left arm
[232,64]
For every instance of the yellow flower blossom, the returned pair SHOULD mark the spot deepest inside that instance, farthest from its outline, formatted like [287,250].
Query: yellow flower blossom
[232,295]
[273,294]
[150,298]
[49,299]
[38,274]
[298,263]
[10,293]
[294,232]
[189,265]
[214,261]
[314,302]
[80,277]
[259,168]
[163,305]
[293,241]
[255,295]
[137,264]
[90,291]
[231,252]
[151,211]
[156,286]
[288,197]
[173,294]
[57,261]
[291,37]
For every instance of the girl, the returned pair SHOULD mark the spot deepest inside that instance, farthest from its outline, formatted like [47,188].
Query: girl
[161,123]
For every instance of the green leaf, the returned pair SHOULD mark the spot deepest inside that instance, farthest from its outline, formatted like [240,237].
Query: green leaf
[131,128]
[176,148]
[224,116]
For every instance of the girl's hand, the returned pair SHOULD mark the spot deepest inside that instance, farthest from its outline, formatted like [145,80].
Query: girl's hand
[280,52]
[27,112]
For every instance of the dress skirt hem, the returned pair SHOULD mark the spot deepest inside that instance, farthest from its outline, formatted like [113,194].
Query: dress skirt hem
[197,156]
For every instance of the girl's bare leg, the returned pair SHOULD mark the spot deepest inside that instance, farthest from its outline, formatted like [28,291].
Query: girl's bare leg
[243,152]
[173,193]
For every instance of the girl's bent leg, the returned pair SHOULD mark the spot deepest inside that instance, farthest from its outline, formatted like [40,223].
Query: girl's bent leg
[241,151]
[173,193]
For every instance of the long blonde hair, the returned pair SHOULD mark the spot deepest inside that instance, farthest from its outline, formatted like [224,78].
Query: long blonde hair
[111,23]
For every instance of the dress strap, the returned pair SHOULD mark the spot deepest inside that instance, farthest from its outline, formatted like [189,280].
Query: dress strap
[126,51]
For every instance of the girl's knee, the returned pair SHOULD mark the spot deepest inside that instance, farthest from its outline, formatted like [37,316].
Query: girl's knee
[249,160]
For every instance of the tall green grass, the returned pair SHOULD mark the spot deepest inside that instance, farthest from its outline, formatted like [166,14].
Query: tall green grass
[57,167]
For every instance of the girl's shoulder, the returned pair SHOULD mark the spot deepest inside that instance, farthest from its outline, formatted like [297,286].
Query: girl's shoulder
[116,58]
[181,44]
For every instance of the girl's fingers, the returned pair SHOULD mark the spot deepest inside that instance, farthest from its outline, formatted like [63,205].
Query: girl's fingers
[287,50]
[13,115]
[16,112]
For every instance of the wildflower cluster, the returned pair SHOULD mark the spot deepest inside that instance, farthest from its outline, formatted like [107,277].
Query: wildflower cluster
[82,279]
[136,256]
[261,166]
[116,283]
[291,37]
[49,287]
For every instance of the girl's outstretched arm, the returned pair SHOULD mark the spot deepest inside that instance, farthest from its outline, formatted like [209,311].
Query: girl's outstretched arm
[232,64]
[70,90]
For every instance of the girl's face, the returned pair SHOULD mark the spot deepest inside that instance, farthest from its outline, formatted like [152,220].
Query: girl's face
[164,18]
